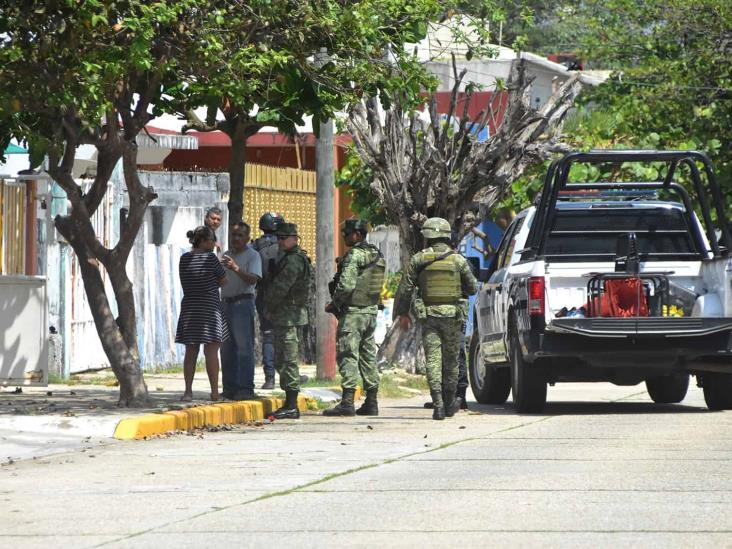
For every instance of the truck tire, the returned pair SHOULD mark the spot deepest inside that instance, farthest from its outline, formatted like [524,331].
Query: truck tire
[490,385]
[668,389]
[527,383]
[717,388]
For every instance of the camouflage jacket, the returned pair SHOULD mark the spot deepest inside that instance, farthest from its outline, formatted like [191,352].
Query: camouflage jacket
[348,270]
[405,294]
[286,295]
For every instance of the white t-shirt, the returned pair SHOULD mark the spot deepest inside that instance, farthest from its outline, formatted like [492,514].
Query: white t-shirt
[250,262]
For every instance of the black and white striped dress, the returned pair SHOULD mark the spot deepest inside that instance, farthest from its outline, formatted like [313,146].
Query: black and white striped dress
[201,319]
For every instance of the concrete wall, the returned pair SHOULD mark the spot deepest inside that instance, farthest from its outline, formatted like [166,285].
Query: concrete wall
[23,330]
[387,240]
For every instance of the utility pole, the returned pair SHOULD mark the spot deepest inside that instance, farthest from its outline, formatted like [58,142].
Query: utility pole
[325,323]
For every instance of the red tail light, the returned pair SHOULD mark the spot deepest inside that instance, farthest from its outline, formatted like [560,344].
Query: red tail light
[536,296]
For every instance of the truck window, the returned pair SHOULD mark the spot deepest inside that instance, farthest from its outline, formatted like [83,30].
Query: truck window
[508,243]
[661,232]
[512,243]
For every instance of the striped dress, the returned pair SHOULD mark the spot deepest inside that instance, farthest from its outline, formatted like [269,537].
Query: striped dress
[201,319]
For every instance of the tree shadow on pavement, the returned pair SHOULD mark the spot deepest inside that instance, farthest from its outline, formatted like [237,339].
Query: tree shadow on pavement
[84,401]
[590,408]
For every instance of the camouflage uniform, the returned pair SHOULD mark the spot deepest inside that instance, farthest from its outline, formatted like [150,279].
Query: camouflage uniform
[355,345]
[285,306]
[355,294]
[442,325]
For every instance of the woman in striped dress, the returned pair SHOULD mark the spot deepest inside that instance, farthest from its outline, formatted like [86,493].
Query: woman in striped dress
[201,321]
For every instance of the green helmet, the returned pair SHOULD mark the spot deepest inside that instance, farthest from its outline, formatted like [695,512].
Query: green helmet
[353,225]
[287,229]
[436,227]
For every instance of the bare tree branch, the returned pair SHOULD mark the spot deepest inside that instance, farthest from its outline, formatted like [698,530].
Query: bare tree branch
[424,167]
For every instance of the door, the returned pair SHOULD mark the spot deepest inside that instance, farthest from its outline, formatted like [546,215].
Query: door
[496,297]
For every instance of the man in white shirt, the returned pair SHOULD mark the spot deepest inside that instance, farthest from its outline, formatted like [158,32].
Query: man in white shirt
[243,271]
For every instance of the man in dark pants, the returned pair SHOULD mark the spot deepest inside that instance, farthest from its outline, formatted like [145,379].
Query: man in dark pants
[269,251]
[243,271]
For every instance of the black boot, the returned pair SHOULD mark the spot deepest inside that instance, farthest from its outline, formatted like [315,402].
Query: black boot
[451,404]
[460,394]
[438,410]
[289,409]
[345,406]
[370,406]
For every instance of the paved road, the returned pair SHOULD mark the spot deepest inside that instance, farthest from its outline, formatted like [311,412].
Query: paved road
[602,467]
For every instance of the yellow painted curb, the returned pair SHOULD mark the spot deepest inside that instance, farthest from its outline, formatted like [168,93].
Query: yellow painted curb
[221,413]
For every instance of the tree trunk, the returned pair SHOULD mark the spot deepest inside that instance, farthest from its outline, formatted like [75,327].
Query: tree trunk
[121,349]
[402,349]
[236,172]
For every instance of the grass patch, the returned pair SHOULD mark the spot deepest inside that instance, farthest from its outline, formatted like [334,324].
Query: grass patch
[401,384]
[164,369]
[317,382]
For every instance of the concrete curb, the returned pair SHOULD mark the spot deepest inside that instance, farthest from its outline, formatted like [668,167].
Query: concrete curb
[221,413]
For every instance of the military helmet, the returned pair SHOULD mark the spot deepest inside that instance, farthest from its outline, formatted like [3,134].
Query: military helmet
[269,222]
[352,225]
[287,229]
[436,227]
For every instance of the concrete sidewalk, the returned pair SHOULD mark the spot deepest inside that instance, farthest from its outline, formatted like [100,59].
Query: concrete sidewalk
[38,421]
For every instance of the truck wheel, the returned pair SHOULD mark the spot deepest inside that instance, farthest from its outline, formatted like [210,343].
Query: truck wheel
[527,384]
[668,389]
[490,385]
[717,390]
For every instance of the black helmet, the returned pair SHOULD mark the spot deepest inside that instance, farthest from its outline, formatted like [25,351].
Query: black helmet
[269,222]
[353,225]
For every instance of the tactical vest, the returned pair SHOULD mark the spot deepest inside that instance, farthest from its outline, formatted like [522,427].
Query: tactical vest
[370,280]
[300,290]
[439,280]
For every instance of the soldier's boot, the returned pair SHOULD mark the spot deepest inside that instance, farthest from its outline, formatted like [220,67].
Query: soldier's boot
[345,406]
[289,409]
[268,383]
[438,410]
[460,394]
[370,407]
[450,402]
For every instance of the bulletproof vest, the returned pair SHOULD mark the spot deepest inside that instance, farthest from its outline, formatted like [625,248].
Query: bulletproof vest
[439,280]
[370,280]
[300,289]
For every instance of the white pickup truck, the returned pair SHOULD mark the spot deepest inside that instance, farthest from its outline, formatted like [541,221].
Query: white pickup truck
[625,282]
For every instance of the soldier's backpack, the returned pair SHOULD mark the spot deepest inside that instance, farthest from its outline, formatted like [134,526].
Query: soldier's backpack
[439,278]
[370,280]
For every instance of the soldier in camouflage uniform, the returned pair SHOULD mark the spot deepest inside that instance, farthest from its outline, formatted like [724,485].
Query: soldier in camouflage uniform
[355,295]
[443,281]
[285,306]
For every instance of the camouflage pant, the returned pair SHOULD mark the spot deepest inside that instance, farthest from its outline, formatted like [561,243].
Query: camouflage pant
[441,342]
[286,354]
[356,350]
